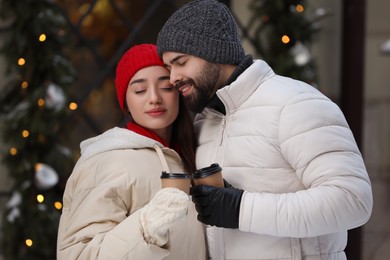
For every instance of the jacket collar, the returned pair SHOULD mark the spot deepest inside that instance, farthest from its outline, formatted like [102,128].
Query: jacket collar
[114,139]
[233,95]
[215,103]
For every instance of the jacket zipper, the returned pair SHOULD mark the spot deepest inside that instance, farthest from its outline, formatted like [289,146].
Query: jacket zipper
[223,130]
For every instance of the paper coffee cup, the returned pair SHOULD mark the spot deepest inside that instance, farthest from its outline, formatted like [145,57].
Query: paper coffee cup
[180,181]
[211,175]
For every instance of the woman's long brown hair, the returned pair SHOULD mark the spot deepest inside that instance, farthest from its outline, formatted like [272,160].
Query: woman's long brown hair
[183,135]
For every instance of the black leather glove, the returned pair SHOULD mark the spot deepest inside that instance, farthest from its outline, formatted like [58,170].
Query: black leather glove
[217,206]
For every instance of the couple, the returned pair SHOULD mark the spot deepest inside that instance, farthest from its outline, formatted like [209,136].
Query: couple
[295,179]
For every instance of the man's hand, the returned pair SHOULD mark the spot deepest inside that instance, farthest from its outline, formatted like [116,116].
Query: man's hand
[217,206]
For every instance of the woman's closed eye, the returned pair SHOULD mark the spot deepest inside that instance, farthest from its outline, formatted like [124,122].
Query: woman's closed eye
[168,88]
[139,91]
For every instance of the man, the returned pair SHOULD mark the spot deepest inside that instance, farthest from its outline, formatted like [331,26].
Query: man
[296,180]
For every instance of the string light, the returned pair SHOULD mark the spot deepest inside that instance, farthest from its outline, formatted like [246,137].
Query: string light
[73,106]
[21,61]
[13,151]
[40,198]
[42,37]
[299,8]
[58,205]
[29,242]
[41,102]
[24,84]
[38,166]
[25,133]
[285,39]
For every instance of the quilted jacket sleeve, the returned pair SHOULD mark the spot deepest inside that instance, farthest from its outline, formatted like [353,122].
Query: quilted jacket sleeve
[318,144]
[90,231]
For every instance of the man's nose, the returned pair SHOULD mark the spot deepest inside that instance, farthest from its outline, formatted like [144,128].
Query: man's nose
[174,77]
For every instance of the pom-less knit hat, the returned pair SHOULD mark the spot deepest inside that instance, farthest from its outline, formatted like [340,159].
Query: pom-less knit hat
[203,28]
[134,59]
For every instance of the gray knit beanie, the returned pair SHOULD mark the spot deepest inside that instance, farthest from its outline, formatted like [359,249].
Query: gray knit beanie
[203,28]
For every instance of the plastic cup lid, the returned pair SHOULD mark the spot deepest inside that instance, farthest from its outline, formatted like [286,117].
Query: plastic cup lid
[167,175]
[206,171]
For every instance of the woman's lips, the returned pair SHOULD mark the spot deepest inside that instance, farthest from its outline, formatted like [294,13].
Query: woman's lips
[155,112]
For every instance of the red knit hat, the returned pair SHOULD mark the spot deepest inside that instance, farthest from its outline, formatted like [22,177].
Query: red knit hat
[136,58]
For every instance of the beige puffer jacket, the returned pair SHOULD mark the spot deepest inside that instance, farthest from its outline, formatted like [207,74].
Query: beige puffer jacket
[290,148]
[118,173]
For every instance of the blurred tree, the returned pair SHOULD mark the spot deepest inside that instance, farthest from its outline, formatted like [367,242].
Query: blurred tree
[33,106]
[282,32]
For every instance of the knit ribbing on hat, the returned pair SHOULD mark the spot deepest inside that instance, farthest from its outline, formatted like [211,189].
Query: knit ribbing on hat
[203,28]
[136,58]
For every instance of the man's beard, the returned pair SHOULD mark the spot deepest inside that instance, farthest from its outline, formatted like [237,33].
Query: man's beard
[204,87]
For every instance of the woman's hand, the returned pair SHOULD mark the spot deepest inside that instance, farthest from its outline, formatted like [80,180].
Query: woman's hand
[168,206]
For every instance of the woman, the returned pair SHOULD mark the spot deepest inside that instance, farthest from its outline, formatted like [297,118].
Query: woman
[114,207]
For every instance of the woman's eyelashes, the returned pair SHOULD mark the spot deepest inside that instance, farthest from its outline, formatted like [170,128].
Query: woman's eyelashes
[140,91]
[167,88]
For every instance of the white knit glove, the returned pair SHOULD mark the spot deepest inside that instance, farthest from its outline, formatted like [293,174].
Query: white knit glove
[168,206]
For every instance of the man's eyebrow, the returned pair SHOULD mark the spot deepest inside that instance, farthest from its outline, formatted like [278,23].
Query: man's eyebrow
[177,58]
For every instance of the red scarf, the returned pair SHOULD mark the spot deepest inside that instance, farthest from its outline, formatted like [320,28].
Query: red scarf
[150,134]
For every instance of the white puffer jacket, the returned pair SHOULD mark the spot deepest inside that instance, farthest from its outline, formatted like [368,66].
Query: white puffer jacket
[290,148]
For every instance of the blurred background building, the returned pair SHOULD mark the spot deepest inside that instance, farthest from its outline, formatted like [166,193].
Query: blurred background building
[57,65]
